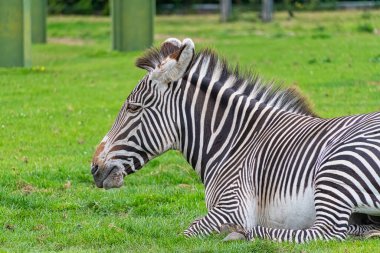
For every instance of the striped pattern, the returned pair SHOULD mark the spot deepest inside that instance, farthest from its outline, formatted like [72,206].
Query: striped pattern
[269,165]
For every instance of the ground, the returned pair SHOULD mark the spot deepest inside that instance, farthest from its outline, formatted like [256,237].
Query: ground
[54,114]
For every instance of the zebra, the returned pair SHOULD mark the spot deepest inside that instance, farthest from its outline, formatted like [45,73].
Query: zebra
[271,168]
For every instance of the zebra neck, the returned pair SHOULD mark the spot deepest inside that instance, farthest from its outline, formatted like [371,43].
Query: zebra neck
[211,117]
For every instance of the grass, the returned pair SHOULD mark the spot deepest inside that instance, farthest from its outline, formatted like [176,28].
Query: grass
[54,114]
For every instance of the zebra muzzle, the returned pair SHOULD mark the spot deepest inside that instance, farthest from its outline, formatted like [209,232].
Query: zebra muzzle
[114,178]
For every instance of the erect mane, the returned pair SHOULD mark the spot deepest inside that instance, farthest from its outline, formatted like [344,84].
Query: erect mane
[271,94]
[287,99]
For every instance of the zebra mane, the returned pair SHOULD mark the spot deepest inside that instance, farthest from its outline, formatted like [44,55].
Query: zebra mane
[271,94]
[249,84]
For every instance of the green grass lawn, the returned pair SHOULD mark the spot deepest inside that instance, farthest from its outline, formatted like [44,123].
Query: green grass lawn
[54,114]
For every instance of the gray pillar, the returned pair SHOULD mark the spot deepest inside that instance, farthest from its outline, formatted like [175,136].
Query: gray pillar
[225,10]
[267,10]
[15,33]
[132,24]
[39,11]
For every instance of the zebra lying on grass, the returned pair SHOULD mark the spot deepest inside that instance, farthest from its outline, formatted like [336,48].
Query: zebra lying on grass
[271,168]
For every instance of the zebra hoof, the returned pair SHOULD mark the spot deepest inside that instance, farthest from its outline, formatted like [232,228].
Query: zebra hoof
[228,228]
[234,236]
[371,234]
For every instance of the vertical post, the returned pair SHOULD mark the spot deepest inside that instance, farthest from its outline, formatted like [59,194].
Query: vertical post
[266,10]
[15,33]
[225,10]
[39,21]
[132,24]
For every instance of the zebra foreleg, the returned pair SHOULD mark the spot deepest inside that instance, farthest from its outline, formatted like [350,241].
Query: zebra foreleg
[212,222]
[223,213]
[363,225]
[366,231]
[297,236]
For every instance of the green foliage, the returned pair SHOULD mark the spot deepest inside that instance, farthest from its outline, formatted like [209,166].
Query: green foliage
[366,27]
[79,7]
[54,114]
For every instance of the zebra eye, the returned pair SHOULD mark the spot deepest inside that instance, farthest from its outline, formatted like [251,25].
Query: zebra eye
[132,107]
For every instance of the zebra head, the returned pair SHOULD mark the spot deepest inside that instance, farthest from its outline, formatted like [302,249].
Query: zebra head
[146,124]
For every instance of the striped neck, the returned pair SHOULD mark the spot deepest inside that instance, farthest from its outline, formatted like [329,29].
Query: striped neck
[207,112]
[214,103]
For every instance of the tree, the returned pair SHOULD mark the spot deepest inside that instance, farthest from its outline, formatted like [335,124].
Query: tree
[266,10]
[225,10]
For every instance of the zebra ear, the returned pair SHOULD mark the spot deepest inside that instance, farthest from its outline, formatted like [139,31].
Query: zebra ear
[154,56]
[170,46]
[174,66]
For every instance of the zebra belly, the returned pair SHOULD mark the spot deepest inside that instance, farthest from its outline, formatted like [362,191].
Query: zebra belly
[293,212]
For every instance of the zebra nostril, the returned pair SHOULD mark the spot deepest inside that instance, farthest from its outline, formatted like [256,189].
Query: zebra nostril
[94,169]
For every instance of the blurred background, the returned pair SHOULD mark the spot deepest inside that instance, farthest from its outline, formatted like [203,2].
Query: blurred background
[102,7]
